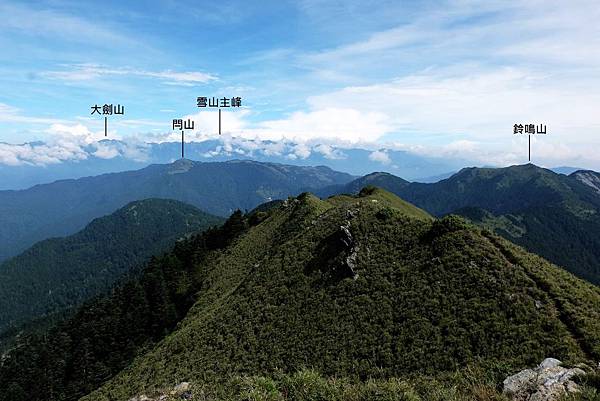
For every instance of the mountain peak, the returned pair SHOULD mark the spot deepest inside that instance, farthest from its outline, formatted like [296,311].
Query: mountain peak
[589,178]
[146,208]
[377,174]
[181,166]
[60,273]
[314,278]
[518,172]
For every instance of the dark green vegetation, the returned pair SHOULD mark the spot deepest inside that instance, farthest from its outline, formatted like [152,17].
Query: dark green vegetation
[105,334]
[553,215]
[65,207]
[471,384]
[368,289]
[58,274]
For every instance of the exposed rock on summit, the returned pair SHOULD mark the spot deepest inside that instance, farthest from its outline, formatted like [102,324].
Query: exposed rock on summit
[352,248]
[548,382]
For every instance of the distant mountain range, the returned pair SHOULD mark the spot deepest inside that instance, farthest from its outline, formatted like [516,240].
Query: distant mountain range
[349,298]
[553,215]
[60,273]
[110,156]
[64,207]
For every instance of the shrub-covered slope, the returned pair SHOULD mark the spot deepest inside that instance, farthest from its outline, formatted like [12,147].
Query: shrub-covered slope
[78,354]
[61,273]
[368,287]
[550,214]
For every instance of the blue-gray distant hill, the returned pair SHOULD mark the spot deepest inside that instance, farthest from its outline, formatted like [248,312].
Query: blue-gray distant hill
[133,156]
[554,215]
[60,273]
[219,188]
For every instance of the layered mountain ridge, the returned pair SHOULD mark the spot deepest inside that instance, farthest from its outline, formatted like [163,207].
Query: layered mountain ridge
[553,215]
[369,287]
[64,207]
[58,274]
[360,288]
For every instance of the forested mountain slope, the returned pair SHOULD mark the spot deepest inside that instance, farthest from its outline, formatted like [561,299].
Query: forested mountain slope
[64,207]
[553,215]
[61,273]
[359,288]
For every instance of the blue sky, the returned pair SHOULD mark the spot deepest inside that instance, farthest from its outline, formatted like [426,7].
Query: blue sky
[445,78]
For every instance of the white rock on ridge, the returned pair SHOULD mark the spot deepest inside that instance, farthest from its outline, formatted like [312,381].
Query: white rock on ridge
[589,178]
[548,382]
[179,392]
[549,363]
[181,387]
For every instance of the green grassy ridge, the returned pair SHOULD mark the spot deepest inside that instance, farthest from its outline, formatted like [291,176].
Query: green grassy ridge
[430,297]
[309,385]
[570,295]
[553,215]
[469,384]
[554,232]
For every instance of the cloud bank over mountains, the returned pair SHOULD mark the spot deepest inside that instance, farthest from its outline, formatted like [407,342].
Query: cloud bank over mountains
[81,155]
[445,81]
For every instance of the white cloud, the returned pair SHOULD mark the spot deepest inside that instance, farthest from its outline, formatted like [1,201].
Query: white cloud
[329,152]
[380,156]
[40,154]
[35,20]
[493,32]
[9,155]
[273,148]
[516,151]
[104,151]
[70,143]
[6,110]
[470,70]
[86,72]
[482,106]
[451,81]
[458,77]
[325,123]
[300,151]
[10,114]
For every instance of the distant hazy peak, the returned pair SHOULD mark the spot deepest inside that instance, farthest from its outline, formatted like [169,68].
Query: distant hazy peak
[589,178]
[181,166]
[378,174]
[519,171]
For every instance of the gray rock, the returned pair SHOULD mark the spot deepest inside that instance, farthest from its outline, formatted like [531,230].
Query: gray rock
[547,382]
[346,237]
[549,363]
[516,383]
[181,387]
[351,262]
[352,248]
